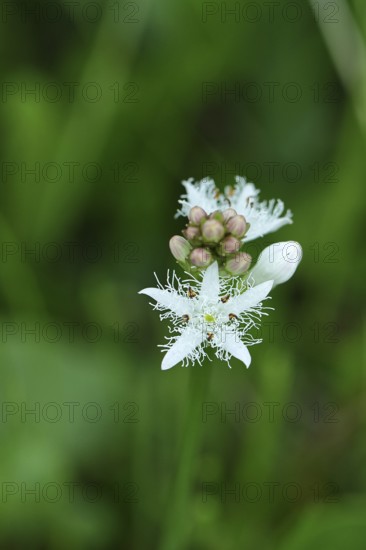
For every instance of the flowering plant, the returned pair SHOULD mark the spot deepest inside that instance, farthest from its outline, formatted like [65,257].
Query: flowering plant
[221,297]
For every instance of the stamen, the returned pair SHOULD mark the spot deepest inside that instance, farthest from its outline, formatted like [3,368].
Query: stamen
[191,293]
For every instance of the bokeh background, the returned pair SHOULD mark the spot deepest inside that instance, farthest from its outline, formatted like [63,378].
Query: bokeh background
[105,108]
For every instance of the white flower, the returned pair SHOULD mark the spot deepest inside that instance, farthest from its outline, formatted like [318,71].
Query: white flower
[264,217]
[210,312]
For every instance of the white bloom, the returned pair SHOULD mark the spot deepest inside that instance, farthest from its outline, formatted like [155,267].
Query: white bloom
[264,217]
[278,262]
[209,312]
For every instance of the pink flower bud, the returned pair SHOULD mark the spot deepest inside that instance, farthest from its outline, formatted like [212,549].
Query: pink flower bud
[201,257]
[229,245]
[237,226]
[196,215]
[191,233]
[213,231]
[179,247]
[218,216]
[229,213]
[239,264]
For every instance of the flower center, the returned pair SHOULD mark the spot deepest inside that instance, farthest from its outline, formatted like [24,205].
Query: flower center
[209,318]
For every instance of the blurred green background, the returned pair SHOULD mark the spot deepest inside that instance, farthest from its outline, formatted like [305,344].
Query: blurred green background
[105,108]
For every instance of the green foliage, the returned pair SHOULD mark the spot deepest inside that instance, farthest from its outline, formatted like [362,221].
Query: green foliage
[84,232]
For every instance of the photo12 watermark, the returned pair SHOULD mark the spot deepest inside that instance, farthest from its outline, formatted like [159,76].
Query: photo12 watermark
[69,252]
[270,492]
[271,172]
[253,412]
[224,92]
[68,171]
[69,332]
[119,12]
[69,92]
[69,412]
[68,492]
[233,12]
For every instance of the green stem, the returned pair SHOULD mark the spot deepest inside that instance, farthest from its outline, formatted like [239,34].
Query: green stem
[177,519]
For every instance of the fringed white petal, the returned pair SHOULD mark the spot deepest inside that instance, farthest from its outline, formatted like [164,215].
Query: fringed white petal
[210,287]
[184,345]
[249,299]
[169,300]
[264,218]
[243,193]
[236,348]
[200,194]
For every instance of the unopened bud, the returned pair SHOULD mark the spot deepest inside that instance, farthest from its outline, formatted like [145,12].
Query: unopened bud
[239,264]
[200,257]
[229,245]
[191,233]
[196,215]
[179,247]
[218,216]
[237,226]
[229,213]
[213,231]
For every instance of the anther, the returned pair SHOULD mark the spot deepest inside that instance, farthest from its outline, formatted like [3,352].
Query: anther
[191,293]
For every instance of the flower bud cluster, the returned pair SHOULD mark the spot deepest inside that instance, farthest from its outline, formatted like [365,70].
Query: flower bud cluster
[213,237]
